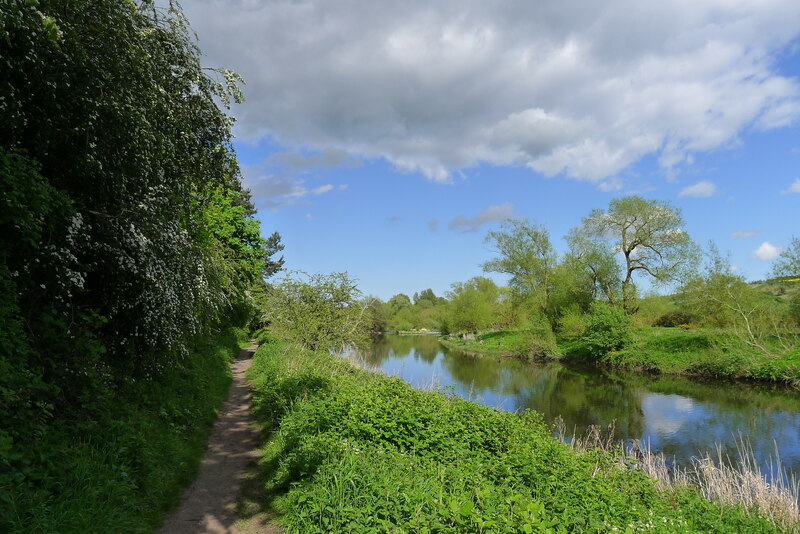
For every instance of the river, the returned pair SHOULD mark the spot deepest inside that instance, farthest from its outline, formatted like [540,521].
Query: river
[680,417]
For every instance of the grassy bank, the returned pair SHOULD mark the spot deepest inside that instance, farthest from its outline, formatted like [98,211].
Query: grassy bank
[353,451]
[122,472]
[506,343]
[696,352]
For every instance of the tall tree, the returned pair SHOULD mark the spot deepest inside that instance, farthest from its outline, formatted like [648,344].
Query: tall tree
[650,237]
[524,252]
[473,305]
[596,260]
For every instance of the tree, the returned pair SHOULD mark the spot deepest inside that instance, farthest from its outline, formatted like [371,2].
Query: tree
[650,237]
[788,263]
[426,295]
[126,238]
[725,299]
[398,302]
[525,253]
[319,311]
[473,305]
[597,261]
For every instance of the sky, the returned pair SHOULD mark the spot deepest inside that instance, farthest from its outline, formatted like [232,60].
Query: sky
[386,139]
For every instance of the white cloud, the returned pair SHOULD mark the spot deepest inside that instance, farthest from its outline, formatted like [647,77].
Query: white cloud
[699,190]
[274,192]
[794,188]
[322,189]
[577,87]
[742,234]
[491,214]
[766,251]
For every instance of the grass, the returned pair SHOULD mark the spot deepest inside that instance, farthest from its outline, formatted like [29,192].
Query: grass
[703,352]
[123,473]
[509,343]
[354,451]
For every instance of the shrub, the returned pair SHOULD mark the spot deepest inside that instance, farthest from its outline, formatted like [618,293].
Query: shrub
[538,341]
[674,319]
[608,328]
[572,325]
[794,308]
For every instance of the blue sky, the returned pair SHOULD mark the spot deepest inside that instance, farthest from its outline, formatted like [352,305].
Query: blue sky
[387,139]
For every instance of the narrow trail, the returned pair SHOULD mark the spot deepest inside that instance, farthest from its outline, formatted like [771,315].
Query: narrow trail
[209,505]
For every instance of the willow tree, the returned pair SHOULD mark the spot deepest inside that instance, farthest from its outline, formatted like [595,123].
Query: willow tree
[649,237]
[525,253]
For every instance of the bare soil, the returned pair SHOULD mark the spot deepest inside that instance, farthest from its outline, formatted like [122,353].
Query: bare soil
[212,504]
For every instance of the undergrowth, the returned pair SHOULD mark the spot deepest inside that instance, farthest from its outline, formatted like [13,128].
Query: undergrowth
[353,451]
[121,473]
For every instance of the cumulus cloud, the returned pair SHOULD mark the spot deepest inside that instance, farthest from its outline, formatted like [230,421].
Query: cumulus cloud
[766,251]
[742,234]
[699,190]
[491,214]
[794,188]
[579,88]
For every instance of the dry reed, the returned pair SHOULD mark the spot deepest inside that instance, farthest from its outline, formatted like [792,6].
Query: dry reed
[720,479]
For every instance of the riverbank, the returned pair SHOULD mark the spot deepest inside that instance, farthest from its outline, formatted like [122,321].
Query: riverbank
[121,472]
[700,352]
[357,451]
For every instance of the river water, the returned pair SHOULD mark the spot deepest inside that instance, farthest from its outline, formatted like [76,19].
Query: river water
[680,417]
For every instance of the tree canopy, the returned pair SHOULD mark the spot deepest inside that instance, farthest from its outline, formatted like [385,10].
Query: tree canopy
[650,237]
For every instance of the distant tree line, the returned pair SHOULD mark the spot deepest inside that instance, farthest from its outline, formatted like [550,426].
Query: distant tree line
[607,254]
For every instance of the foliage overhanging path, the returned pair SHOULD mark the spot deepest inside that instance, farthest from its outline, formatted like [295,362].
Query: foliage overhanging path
[209,505]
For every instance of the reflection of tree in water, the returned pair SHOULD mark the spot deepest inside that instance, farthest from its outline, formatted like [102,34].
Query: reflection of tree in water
[385,347]
[584,397]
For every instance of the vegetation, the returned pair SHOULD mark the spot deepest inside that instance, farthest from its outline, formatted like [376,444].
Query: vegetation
[128,250]
[584,304]
[317,311]
[356,451]
[608,329]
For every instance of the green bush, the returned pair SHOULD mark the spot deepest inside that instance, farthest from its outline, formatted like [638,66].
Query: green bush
[538,340]
[571,325]
[608,328]
[794,308]
[675,319]
[121,472]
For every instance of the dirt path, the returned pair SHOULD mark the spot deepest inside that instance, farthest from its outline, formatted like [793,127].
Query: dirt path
[209,505]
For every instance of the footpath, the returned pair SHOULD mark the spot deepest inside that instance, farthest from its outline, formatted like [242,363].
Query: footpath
[209,505]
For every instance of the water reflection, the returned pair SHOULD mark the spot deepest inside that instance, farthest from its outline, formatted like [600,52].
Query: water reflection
[680,417]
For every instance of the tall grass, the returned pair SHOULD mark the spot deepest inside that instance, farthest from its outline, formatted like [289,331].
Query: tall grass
[736,481]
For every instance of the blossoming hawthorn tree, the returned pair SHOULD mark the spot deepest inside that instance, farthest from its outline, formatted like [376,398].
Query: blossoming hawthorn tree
[125,232]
